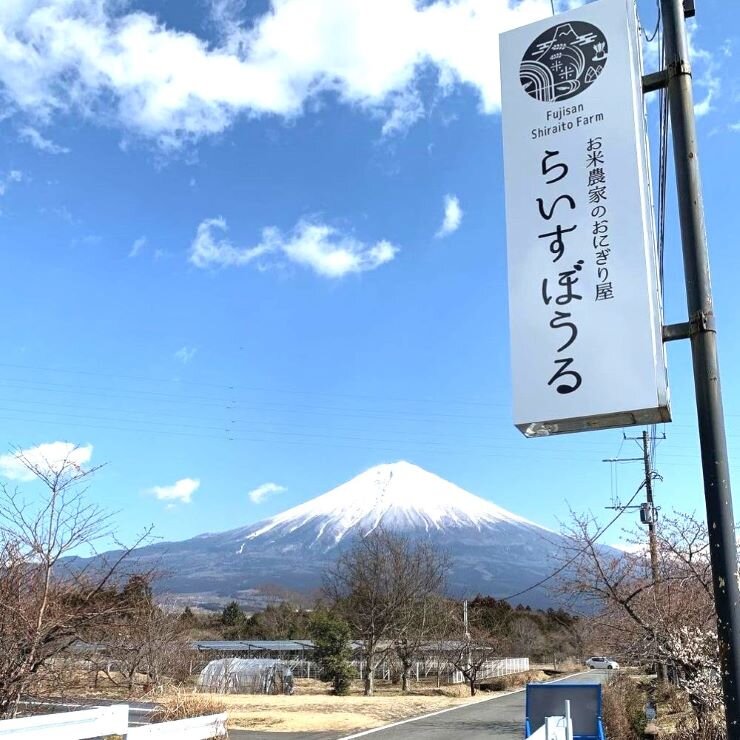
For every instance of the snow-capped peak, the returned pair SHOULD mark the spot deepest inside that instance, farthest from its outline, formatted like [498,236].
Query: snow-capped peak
[401,495]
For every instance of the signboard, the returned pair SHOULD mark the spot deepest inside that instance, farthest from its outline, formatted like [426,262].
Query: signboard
[584,299]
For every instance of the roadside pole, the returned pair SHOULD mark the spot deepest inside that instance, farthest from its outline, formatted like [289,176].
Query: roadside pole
[701,330]
[652,535]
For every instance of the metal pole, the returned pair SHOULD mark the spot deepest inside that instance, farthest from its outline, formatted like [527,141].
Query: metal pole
[568,721]
[714,459]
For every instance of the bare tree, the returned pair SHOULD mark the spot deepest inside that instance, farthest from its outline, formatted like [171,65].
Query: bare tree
[46,603]
[421,610]
[472,654]
[142,639]
[671,620]
[475,642]
[383,587]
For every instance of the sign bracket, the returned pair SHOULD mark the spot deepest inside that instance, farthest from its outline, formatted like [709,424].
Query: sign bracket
[655,81]
[700,323]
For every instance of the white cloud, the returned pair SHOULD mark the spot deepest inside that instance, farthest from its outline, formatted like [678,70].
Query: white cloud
[12,177]
[137,246]
[31,136]
[705,75]
[210,250]
[319,247]
[259,494]
[735,126]
[185,354]
[406,110]
[452,218]
[87,55]
[47,457]
[182,490]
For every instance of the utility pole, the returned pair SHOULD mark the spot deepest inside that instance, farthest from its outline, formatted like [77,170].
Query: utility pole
[652,536]
[650,518]
[700,328]
[467,635]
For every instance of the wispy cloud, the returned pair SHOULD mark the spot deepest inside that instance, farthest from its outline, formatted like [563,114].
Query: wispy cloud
[734,126]
[31,136]
[65,214]
[12,177]
[706,75]
[406,109]
[47,457]
[137,246]
[173,85]
[182,490]
[259,494]
[319,247]
[185,354]
[452,217]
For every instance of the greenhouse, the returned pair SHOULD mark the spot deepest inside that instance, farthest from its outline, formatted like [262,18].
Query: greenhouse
[246,676]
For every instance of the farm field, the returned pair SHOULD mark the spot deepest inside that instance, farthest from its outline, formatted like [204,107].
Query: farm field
[312,709]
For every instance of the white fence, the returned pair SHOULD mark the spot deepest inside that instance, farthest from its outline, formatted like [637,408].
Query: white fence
[438,668]
[496,668]
[113,720]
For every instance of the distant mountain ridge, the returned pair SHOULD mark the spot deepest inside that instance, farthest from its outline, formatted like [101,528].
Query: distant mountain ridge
[492,551]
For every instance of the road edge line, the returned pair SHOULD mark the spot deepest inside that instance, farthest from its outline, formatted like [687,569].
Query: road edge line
[450,709]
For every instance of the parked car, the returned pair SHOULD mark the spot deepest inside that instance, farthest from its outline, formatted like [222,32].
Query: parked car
[601,662]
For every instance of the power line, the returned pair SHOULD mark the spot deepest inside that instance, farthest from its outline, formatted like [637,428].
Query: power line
[651,38]
[579,553]
[254,389]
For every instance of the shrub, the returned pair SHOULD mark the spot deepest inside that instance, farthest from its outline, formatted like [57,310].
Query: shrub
[623,710]
[186,706]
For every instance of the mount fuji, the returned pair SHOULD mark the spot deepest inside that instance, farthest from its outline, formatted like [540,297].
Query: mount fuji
[492,551]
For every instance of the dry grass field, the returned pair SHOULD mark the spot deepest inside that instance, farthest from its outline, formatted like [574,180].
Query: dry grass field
[311,708]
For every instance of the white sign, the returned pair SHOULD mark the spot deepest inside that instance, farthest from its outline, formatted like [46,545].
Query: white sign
[584,303]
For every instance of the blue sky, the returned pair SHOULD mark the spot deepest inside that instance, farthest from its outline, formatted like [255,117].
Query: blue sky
[260,247]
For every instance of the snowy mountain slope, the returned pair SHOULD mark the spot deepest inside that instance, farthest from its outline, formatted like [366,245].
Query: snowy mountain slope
[492,550]
[401,496]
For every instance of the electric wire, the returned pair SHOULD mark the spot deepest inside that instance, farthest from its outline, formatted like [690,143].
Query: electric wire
[243,388]
[579,553]
[651,38]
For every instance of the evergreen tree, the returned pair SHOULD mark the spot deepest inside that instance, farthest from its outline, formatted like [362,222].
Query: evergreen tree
[232,615]
[330,635]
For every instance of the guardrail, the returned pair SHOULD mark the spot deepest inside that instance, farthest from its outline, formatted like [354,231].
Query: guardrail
[104,721]
[81,725]
[197,728]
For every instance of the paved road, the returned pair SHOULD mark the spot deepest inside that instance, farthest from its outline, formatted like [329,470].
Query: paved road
[257,735]
[501,718]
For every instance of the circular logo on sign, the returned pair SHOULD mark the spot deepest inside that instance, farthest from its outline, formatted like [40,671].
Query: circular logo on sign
[563,61]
